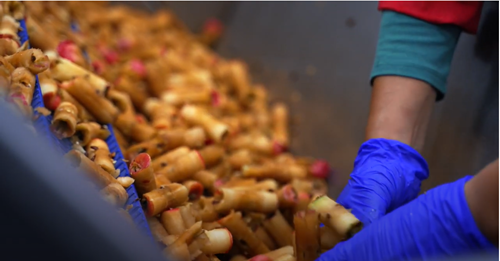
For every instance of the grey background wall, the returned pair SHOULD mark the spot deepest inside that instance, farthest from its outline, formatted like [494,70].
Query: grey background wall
[317,57]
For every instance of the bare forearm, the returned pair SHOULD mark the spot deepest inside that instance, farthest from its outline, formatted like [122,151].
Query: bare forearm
[481,193]
[400,110]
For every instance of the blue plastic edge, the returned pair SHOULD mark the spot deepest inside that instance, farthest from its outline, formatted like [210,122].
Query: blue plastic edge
[42,125]
[136,211]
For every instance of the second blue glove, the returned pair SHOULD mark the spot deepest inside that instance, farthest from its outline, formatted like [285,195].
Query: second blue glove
[436,224]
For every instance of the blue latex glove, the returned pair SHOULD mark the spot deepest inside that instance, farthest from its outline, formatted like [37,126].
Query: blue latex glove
[436,224]
[386,175]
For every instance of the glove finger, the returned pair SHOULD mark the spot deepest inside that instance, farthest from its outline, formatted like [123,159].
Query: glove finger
[365,204]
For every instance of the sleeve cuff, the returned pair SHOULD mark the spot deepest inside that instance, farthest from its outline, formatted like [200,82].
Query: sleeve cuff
[413,48]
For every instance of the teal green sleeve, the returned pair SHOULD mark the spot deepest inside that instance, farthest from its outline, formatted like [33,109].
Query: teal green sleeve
[413,48]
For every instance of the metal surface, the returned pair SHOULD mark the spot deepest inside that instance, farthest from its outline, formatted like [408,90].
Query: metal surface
[317,56]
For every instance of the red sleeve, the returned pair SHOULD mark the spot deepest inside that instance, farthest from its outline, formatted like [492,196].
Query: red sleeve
[464,14]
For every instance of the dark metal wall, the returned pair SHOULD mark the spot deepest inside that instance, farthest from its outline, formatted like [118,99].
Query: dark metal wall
[317,56]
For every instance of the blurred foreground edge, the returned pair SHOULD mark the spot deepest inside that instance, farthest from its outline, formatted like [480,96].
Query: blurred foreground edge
[52,213]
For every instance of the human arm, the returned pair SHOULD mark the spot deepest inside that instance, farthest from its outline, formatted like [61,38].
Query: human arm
[414,53]
[401,104]
[389,169]
[400,110]
[481,193]
[410,70]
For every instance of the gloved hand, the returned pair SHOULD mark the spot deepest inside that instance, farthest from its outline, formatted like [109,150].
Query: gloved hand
[386,175]
[436,224]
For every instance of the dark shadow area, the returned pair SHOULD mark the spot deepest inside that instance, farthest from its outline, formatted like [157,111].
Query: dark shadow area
[485,126]
[486,46]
